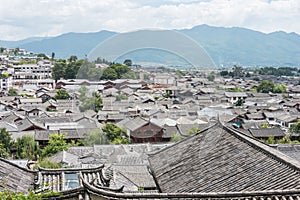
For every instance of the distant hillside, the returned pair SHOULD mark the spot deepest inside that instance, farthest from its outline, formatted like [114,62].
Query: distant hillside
[64,46]
[226,46]
[247,47]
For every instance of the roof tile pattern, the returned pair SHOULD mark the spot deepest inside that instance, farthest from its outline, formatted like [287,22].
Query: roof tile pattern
[15,178]
[217,160]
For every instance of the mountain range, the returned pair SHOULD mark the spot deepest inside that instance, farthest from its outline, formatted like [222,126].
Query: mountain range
[226,46]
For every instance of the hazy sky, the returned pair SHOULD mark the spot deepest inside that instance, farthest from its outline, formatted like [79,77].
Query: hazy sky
[20,19]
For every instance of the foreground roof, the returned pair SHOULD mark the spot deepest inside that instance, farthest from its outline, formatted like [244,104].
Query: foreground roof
[15,178]
[220,159]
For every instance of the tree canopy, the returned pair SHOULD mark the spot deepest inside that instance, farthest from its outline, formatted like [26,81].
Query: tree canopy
[295,128]
[281,71]
[83,69]
[265,86]
[118,71]
[115,134]
[66,69]
[95,137]
[27,147]
[61,94]
[89,103]
[268,86]
[5,143]
[56,143]
[12,92]
[127,62]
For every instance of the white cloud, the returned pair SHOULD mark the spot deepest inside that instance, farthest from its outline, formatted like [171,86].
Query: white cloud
[21,19]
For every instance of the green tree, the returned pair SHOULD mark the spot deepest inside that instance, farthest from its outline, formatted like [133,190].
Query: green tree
[5,142]
[102,60]
[179,73]
[56,144]
[115,134]
[120,69]
[16,50]
[129,75]
[2,49]
[59,70]
[224,73]
[270,140]
[4,153]
[83,91]
[72,59]
[91,103]
[72,68]
[127,62]
[280,88]
[121,140]
[211,77]
[109,74]
[265,86]
[43,56]
[61,94]
[176,137]
[88,70]
[52,56]
[237,71]
[193,130]
[47,164]
[264,125]
[95,137]
[27,147]
[295,128]
[121,97]
[4,75]
[12,92]
[281,71]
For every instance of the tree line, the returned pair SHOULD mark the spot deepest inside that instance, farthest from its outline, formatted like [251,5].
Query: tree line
[239,72]
[26,147]
[83,69]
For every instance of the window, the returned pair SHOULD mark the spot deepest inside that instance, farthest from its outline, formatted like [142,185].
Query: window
[71,181]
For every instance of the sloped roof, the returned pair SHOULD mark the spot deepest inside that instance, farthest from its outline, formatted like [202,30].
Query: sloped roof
[236,94]
[137,174]
[26,124]
[15,178]
[220,159]
[266,132]
[292,150]
[12,117]
[44,135]
[10,127]
[30,100]
[99,193]
[64,157]
[136,123]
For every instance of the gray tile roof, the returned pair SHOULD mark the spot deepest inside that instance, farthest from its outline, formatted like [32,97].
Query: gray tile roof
[15,178]
[98,193]
[236,94]
[266,132]
[136,123]
[10,127]
[292,150]
[220,159]
[138,174]
[27,124]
